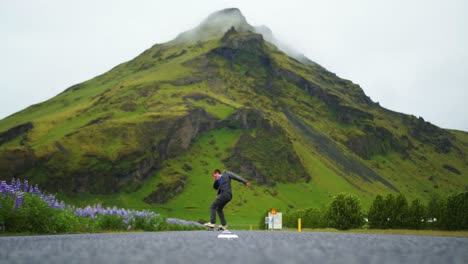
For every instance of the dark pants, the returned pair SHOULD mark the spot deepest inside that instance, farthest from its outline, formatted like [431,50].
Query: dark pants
[217,206]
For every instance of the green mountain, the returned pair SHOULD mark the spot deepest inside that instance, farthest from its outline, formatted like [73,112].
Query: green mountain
[149,132]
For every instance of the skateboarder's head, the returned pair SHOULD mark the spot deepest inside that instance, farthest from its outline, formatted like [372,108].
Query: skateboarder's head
[216,174]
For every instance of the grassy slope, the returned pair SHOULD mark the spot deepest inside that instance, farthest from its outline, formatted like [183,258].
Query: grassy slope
[247,205]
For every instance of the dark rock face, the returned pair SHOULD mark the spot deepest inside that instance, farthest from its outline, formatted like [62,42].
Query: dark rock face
[165,191]
[452,169]
[15,162]
[268,157]
[429,133]
[15,132]
[377,140]
[310,87]
[352,115]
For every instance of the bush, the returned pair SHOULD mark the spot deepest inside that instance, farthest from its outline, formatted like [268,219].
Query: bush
[400,210]
[110,222]
[456,212]
[435,212]
[377,214]
[24,208]
[65,221]
[344,212]
[6,210]
[147,223]
[416,215]
[34,215]
[262,225]
[290,218]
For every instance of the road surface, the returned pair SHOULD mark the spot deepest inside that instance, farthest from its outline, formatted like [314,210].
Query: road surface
[250,247]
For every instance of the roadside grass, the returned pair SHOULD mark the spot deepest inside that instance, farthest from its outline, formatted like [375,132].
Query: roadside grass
[391,232]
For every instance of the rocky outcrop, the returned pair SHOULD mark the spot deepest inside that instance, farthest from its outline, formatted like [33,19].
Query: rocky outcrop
[15,162]
[430,134]
[331,99]
[15,132]
[165,191]
[377,140]
[267,157]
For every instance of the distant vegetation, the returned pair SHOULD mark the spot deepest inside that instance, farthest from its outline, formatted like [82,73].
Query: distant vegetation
[25,209]
[389,212]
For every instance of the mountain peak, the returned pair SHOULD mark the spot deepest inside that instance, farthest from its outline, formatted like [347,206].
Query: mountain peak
[216,24]
[222,16]
[219,22]
[227,18]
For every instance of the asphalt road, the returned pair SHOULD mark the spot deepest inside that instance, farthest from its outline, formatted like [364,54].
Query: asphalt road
[250,247]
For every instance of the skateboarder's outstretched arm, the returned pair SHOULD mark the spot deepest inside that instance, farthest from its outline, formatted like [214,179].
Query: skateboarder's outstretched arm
[234,176]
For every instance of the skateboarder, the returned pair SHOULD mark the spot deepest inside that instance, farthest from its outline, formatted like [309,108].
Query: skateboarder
[222,183]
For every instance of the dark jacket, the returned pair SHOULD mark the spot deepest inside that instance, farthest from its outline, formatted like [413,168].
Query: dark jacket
[225,185]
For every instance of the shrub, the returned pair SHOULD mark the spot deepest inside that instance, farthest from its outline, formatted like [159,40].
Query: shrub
[377,214]
[290,218]
[66,221]
[34,215]
[435,212]
[400,212]
[456,212]
[416,215]
[26,209]
[262,225]
[110,222]
[396,211]
[314,218]
[344,212]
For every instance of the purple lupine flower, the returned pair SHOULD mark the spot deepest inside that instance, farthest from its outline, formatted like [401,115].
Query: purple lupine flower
[26,186]
[3,186]
[181,222]
[123,212]
[36,189]
[18,185]
[19,200]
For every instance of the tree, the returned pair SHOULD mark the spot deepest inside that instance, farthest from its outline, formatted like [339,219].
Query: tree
[456,213]
[314,218]
[377,214]
[290,218]
[399,218]
[416,215]
[389,210]
[435,211]
[344,212]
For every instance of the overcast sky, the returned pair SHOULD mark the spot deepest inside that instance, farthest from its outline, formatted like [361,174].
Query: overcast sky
[411,56]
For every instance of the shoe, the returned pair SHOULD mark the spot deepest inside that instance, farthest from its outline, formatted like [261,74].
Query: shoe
[210,225]
[223,227]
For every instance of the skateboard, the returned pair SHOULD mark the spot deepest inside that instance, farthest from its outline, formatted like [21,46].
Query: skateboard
[216,228]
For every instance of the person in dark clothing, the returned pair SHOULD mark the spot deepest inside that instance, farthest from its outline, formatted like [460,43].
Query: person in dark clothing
[222,183]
